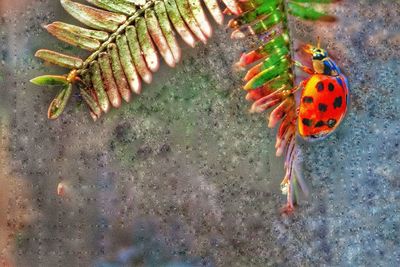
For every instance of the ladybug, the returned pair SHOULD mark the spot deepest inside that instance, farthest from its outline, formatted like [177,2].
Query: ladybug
[325,97]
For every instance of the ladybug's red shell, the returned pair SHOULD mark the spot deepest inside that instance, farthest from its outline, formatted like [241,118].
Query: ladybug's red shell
[323,105]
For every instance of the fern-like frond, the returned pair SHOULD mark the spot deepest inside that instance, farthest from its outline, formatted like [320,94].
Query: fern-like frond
[270,76]
[125,38]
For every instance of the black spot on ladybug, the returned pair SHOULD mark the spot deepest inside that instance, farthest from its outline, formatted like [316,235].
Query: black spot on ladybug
[322,107]
[331,123]
[306,122]
[307,99]
[338,102]
[320,86]
[331,87]
[319,124]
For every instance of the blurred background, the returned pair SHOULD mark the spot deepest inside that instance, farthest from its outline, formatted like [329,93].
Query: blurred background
[184,175]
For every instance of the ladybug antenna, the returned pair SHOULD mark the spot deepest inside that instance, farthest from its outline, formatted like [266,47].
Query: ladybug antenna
[318,42]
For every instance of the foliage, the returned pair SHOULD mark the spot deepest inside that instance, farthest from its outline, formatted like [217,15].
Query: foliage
[270,78]
[125,38]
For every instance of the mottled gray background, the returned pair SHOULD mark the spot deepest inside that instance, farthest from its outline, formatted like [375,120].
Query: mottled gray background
[184,176]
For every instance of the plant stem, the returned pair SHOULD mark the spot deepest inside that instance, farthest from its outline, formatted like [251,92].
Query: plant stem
[113,36]
[286,29]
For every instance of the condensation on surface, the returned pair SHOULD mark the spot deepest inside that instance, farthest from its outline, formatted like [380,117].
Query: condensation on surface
[183,174]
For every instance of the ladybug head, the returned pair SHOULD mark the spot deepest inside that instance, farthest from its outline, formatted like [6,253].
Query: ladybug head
[322,63]
[317,52]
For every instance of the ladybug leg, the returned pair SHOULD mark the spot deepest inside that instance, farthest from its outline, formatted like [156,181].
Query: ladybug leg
[303,68]
[300,86]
